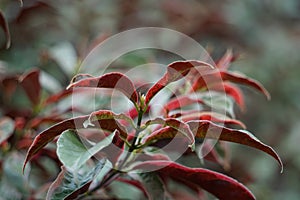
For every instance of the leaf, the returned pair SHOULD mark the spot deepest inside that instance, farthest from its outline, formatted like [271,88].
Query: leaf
[65,55]
[11,172]
[219,102]
[106,120]
[181,101]
[241,79]
[68,185]
[175,71]
[231,90]
[6,128]
[206,129]
[223,187]
[58,96]
[212,116]
[31,85]
[112,80]
[8,85]
[21,3]
[225,61]
[176,125]
[74,151]
[36,122]
[206,81]
[153,185]
[136,184]
[4,26]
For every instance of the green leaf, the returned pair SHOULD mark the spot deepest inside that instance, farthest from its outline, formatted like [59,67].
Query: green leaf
[152,184]
[219,102]
[68,185]
[6,128]
[4,26]
[73,151]
[105,118]
[13,184]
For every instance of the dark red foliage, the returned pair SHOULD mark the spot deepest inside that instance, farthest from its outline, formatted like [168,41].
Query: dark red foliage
[218,184]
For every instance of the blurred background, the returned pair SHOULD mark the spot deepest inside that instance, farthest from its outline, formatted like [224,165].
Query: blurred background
[55,36]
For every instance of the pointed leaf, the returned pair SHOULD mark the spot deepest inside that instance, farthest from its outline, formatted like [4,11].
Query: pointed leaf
[73,152]
[176,125]
[4,26]
[6,128]
[180,102]
[163,133]
[225,61]
[105,120]
[231,90]
[175,71]
[31,85]
[206,129]
[112,80]
[36,122]
[212,116]
[216,76]
[153,185]
[68,185]
[241,79]
[58,96]
[223,187]
[136,184]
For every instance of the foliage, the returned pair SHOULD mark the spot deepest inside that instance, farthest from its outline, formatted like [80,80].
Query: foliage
[134,134]
[53,37]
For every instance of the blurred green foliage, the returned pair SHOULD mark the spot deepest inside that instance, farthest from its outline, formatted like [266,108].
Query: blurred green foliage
[265,33]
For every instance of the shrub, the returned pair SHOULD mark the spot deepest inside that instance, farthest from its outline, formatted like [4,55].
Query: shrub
[103,152]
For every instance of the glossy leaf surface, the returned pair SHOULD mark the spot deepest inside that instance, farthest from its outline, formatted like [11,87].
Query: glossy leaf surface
[4,26]
[223,187]
[74,151]
[31,84]
[206,129]
[105,120]
[6,128]
[112,80]
[175,71]
[68,185]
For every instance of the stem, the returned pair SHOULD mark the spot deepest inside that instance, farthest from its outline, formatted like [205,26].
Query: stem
[133,146]
[115,173]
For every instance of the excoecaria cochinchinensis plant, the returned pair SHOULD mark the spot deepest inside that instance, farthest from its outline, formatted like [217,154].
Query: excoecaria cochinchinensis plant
[134,142]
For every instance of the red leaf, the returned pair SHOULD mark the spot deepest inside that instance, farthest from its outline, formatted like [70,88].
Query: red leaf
[240,79]
[225,61]
[209,79]
[180,102]
[106,120]
[163,133]
[36,122]
[231,90]
[207,129]
[31,85]
[58,96]
[4,26]
[8,85]
[211,116]
[175,71]
[176,125]
[113,80]
[223,187]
